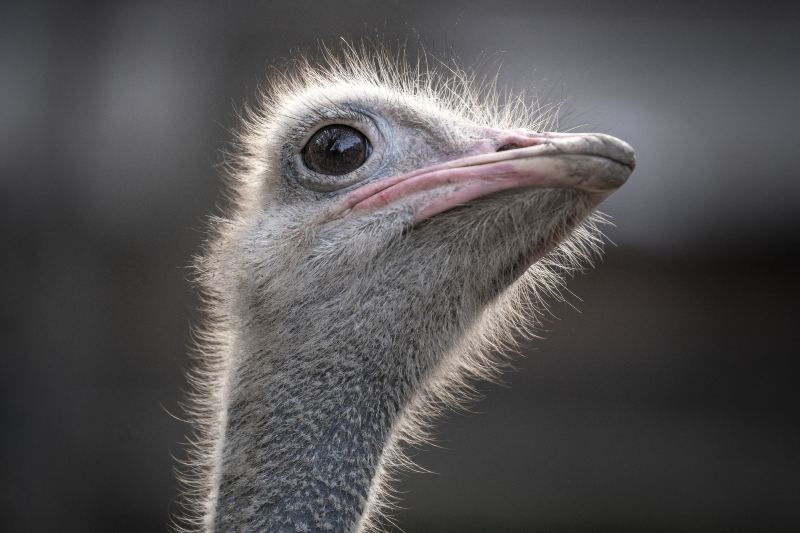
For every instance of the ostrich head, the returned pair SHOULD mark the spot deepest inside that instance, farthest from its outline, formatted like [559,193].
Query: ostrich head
[391,228]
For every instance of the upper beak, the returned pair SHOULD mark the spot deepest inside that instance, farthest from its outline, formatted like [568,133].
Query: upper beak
[594,163]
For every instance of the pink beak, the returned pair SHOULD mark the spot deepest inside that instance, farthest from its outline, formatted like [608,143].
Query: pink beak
[594,163]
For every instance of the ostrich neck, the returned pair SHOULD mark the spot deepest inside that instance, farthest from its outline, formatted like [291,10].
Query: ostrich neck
[305,434]
[320,371]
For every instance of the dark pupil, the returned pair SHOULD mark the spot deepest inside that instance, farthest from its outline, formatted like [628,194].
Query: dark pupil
[336,150]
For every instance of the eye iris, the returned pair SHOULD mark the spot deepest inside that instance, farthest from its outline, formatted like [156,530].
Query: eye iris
[336,150]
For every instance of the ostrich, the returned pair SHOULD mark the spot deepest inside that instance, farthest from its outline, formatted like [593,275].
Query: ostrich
[392,228]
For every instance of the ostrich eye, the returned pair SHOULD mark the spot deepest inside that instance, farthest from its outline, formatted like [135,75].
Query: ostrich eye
[335,150]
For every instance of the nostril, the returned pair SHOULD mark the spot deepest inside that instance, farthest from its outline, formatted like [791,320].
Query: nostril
[508,146]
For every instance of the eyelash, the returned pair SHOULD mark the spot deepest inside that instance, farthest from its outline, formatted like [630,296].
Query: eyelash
[319,118]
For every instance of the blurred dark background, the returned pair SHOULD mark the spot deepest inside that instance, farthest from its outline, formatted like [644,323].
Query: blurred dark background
[667,401]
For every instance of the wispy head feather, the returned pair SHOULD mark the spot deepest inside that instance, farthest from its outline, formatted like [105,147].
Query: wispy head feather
[231,255]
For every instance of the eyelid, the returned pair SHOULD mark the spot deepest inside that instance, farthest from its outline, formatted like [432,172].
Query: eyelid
[321,117]
[370,125]
[302,128]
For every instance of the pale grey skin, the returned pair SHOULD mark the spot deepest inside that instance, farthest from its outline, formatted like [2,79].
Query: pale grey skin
[336,324]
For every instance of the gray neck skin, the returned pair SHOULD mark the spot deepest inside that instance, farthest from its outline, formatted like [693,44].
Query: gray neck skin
[307,457]
[310,409]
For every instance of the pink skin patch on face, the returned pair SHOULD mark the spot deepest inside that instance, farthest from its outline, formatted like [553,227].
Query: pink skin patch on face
[594,163]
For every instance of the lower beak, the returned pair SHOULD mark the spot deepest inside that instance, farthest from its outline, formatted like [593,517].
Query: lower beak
[593,163]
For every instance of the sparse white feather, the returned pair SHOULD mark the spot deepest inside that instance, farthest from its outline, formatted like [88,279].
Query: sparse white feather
[243,254]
